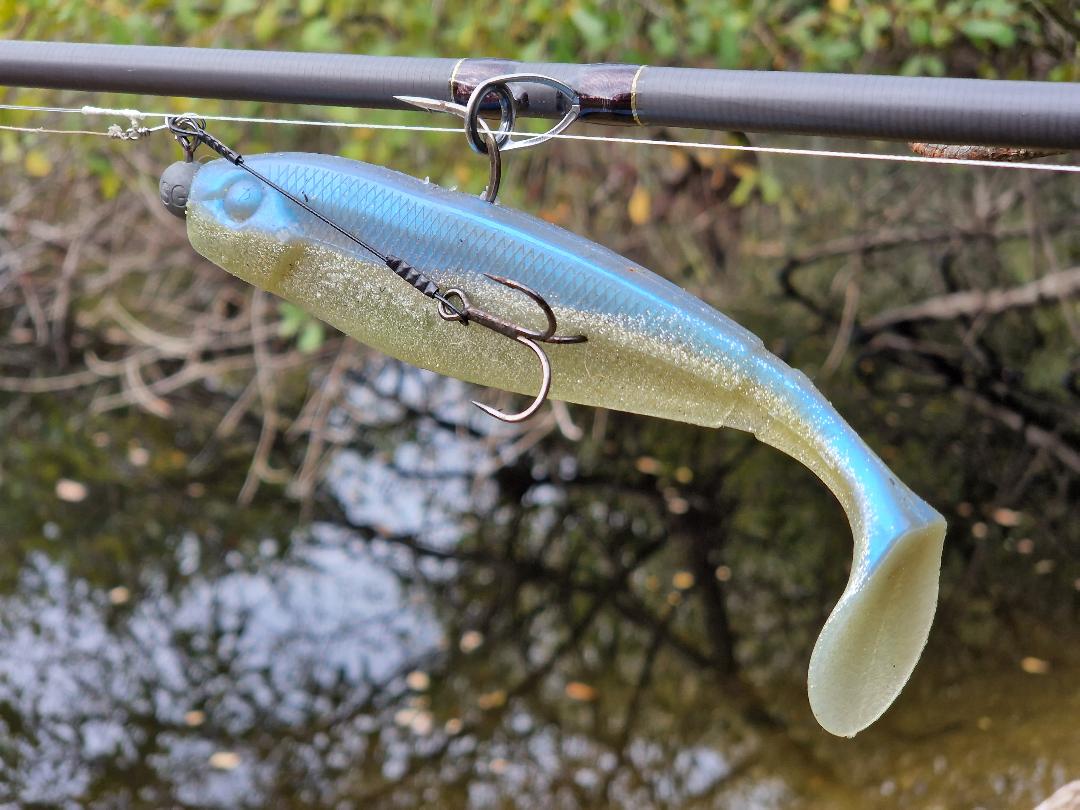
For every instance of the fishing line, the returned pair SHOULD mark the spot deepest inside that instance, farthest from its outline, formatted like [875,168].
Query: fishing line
[137,115]
[43,131]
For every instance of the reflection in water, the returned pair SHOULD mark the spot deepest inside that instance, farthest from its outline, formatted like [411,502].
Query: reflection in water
[470,624]
[290,644]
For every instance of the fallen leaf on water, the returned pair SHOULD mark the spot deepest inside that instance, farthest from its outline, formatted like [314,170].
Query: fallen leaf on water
[470,640]
[224,760]
[683,580]
[1034,666]
[404,717]
[492,700]
[422,723]
[647,465]
[677,505]
[576,690]
[71,491]
[1006,517]
[138,456]
[194,718]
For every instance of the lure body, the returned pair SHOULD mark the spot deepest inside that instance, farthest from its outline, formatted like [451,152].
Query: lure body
[652,349]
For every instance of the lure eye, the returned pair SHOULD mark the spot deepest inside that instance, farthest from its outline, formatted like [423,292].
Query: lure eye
[242,199]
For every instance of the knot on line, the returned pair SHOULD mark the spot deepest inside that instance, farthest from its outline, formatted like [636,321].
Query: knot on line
[132,133]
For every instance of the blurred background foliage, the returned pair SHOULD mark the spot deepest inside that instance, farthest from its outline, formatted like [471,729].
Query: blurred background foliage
[988,38]
[649,592]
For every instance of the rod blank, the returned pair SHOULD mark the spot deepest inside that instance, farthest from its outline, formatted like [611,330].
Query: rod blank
[300,78]
[1037,115]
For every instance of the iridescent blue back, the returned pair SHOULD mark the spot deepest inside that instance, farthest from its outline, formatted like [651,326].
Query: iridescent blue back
[446,233]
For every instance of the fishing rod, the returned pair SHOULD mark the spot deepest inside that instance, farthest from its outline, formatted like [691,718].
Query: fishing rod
[1026,114]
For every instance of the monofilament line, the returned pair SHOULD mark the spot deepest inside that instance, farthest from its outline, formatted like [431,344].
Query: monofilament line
[726,147]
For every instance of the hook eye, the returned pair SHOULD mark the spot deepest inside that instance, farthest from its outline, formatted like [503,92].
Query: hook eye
[508,114]
[188,131]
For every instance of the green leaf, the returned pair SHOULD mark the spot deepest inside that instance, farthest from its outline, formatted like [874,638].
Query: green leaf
[941,34]
[590,26]
[265,25]
[311,336]
[919,31]
[1000,33]
[729,47]
[292,318]
[663,38]
[321,34]
[868,36]
[879,17]
[237,8]
[771,190]
[741,195]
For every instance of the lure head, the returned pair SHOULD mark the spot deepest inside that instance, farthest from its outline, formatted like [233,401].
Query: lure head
[239,223]
[234,198]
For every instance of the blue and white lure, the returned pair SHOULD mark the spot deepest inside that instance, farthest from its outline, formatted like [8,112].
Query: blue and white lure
[288,224]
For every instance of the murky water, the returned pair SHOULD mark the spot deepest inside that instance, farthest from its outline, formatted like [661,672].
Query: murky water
[475,620]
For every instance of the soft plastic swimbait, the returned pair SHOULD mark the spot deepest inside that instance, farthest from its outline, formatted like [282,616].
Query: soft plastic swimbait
[652,349]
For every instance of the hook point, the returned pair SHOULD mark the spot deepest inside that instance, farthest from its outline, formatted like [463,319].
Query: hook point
[432,104]
[538,401]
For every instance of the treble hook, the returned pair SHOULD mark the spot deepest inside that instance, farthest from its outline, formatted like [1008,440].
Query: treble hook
[480,136]
[522,334]
[483,140]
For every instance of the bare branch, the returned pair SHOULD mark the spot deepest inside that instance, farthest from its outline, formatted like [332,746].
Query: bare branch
[1033,434]
[1048,289]
[997,153]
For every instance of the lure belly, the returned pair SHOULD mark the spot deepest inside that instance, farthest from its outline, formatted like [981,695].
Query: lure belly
[652,349]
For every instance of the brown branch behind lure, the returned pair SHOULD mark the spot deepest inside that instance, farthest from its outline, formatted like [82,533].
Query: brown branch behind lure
[957,152]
